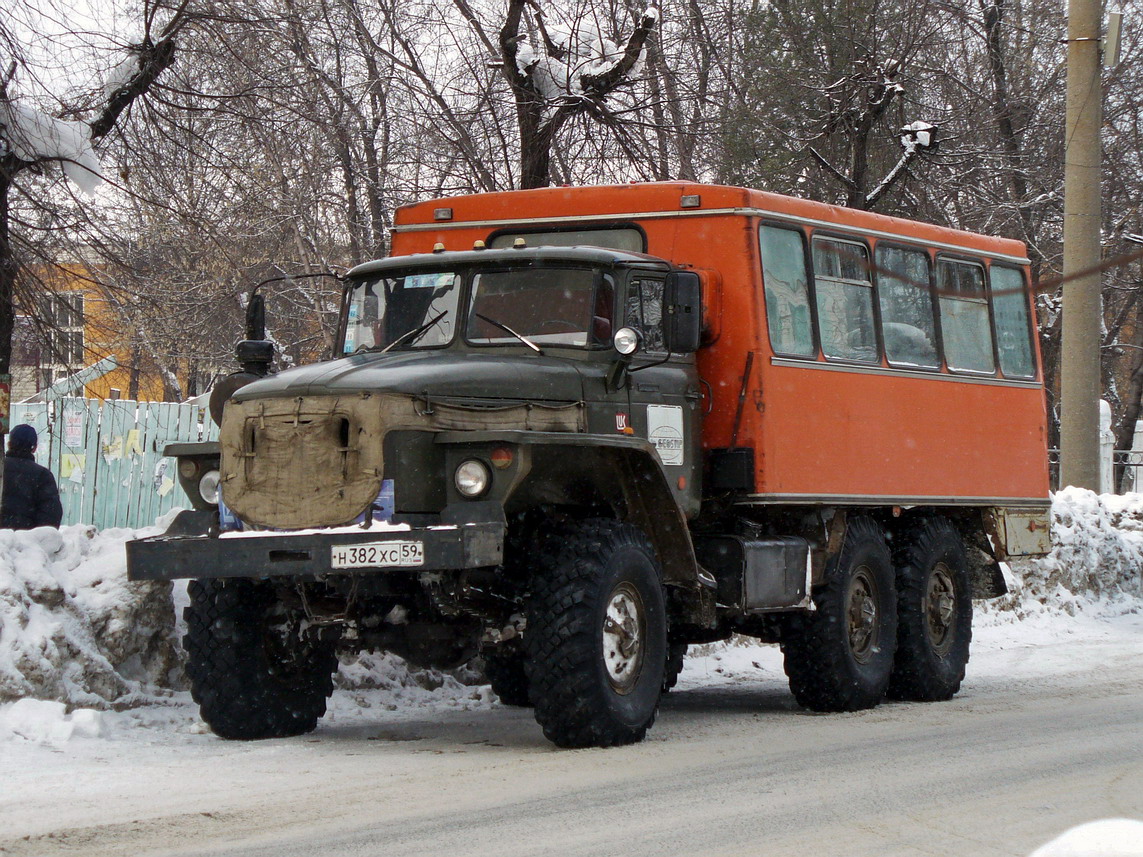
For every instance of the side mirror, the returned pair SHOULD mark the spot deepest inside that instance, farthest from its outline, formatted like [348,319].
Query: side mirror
[255,354]
[682,312]
[256,317]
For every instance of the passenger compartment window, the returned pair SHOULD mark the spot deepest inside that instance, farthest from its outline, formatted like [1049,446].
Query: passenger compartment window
[787,291]
[1013,328]
[907,325]
[965,327]
[844,294]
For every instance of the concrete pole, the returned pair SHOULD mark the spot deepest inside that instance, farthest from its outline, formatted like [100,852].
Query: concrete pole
[1082,308]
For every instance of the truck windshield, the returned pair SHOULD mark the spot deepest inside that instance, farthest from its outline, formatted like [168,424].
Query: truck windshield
[547,306]
[411,311]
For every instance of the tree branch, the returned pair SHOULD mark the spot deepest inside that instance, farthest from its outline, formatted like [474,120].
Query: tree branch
[831,169]
[891,178]
[154,60]
[599,85]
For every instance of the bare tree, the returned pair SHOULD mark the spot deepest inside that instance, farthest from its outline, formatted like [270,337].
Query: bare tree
[31,140]
[559,72]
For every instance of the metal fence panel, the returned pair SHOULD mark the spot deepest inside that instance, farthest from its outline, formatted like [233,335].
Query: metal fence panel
[118,470]
[108,458]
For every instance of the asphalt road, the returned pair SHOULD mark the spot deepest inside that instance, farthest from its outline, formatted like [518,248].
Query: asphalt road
[734,770]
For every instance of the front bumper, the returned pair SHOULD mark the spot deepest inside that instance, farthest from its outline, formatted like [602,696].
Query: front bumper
[309,554]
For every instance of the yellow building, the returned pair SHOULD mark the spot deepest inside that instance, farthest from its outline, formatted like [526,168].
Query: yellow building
[75,326]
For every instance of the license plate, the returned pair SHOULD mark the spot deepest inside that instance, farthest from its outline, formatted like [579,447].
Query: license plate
[378,554]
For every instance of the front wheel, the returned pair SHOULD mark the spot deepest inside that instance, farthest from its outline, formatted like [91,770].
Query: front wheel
[839,656]
[254,672]
[596,642]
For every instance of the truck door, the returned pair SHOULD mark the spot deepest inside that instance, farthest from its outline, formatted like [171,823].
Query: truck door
[664,393]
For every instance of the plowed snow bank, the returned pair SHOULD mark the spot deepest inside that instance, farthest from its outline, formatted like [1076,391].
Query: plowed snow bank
[73,630]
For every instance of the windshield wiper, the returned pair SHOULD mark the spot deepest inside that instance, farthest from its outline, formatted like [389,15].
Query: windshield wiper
[416,333]
[506,328]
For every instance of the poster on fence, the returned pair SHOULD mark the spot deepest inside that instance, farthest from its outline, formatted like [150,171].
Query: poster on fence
[73,427]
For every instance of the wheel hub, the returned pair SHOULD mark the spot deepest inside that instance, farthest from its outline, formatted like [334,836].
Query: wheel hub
[862,615]
[624,637]
[940,608]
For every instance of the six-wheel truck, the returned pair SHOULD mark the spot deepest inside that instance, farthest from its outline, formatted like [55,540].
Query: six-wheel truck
[574,430]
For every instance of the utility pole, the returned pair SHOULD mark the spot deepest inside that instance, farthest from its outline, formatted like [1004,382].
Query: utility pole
[1082,308]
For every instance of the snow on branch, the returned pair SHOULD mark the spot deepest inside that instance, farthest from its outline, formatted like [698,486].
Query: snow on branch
[35,137]
[915,137]
[566,63]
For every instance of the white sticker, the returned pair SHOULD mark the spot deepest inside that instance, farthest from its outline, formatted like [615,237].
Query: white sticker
[665,431]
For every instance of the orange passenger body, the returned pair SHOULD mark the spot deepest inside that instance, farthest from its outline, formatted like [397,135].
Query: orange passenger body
[890,411]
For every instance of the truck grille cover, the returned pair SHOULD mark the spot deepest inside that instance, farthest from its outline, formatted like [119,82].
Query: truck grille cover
[316,461]
[311,461]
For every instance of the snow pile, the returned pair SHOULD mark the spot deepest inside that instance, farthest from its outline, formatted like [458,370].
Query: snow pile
[1096,563]
[380,679]
[1111,837]
[73,629]
[44,722]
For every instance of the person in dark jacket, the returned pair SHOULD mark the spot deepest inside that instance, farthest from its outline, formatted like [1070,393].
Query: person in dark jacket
[31,497]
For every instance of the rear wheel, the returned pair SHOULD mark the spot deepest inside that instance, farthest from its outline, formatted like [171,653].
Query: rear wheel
[254,672]
[505,672]
[934,613]
[839,656]
[676,655]
[596,642]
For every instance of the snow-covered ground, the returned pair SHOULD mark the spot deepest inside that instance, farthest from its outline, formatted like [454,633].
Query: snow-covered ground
[91,664]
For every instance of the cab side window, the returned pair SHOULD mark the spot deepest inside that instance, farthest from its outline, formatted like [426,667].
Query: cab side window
[644,312]
[844,294]
[787,291]
[965,325]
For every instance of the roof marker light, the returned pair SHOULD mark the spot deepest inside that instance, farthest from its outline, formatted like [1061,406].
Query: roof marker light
[442,214]
[479,245]
[519,244]
[438,247]
[690,200]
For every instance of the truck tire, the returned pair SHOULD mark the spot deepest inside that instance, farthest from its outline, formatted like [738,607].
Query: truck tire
[839,657]
[251,673]
[596,642]
[676,654]
[934,612]
[505,672]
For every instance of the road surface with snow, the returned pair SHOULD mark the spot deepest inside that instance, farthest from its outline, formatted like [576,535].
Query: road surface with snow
[1045,735]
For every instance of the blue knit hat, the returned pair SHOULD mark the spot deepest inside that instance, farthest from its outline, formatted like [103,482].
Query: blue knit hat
[23,437]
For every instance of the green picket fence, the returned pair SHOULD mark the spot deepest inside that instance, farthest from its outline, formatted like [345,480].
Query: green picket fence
[108,456]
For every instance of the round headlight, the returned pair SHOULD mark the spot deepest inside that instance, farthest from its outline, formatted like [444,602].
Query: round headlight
[626,341]
[472,478]
[208,487]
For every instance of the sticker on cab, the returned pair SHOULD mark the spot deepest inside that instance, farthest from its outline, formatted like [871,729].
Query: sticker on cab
[665,431]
